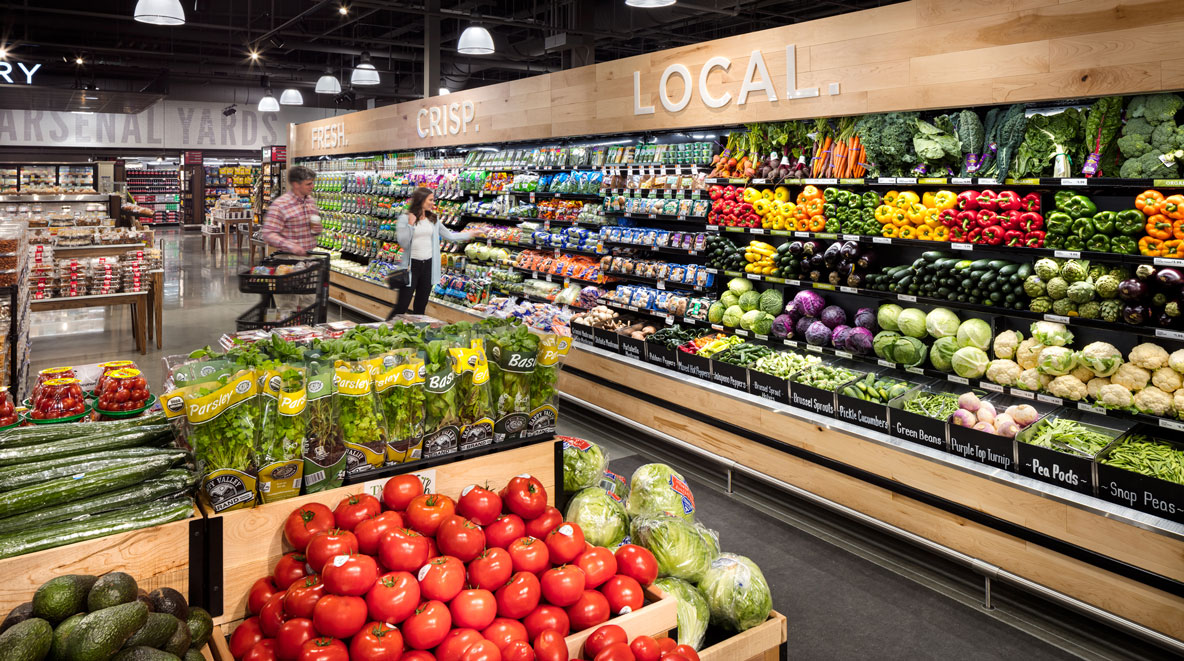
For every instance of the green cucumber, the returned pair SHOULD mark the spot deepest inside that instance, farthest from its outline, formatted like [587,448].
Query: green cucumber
[130,518]
[154,435]
[22,436]
[169,483]
[65,489]
[23,475]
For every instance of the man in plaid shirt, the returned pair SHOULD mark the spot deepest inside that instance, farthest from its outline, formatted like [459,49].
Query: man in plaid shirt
[293,221]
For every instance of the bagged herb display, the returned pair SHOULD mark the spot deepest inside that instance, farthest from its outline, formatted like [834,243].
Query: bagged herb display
[400,391]
[544,386]
[324,444]
[357,413]
[472,394]
[281,435]
[513,355]
[222,416]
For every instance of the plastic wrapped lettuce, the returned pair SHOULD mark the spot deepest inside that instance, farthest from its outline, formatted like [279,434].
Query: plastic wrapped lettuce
[736,592]
[600,515]
[615,484]
[657,488]
[683,549]
[583,463]
[693,611]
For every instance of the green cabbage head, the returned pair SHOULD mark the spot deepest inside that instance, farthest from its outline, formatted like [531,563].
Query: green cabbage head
[683,549]
[583,464]
[658,489]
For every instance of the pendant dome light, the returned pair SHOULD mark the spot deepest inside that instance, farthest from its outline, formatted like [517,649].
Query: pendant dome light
[365,73]
[649,4]
[160,12]
[291,97]
[475,40]
[328,83]
[268,103]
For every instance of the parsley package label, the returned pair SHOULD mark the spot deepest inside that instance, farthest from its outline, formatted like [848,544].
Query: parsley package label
[357,412]
[279,453]
[399,386]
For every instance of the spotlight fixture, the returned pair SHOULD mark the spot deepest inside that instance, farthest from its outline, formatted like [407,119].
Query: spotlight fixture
[3,52]
[649,4]
[343,10]
[291,97]
[365,73]
[328,83]
[160,12]
[475,40]
[229,110]
[268,103]
[254,54]
[79,61]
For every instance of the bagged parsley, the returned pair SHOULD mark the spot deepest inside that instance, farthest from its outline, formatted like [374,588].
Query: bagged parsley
[284,425]
[324,444]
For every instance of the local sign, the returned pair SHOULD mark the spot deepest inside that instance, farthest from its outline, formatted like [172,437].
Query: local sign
[21,73]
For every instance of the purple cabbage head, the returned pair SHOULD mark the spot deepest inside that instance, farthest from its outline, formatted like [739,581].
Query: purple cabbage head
[838,336]
[793,312]
[782,326]
[866,318]
[833,316]
[801,326]
[859,340]
[818,334]
[809,302]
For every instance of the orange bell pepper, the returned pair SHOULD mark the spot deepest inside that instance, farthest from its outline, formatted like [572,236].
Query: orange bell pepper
[1173,207]
[817,223]
[814,206]
[809,193]
[1178,229]
[1149,202]
[1150,246]
[1173,249]
[1159,226]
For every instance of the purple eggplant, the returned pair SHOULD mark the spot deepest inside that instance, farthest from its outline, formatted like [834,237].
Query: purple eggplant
[811,248]
[865,260]
[850,250]
[795,248]
[1172,309]
[1135,315]
[832,254]
[1131,289]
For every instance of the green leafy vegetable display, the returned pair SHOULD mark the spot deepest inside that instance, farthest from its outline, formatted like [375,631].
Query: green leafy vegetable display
[400,391]
[584,463]
[324,447]
[440,396]
[513,355]
[736,592]
[1072,437]
[658,488]
[283,427]
[683,549]
[600,516]
[362,428]
[693,612]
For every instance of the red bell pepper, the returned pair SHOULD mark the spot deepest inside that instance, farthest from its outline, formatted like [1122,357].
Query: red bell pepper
[957,234]
[948,217]
[1030,220]
[1011,220]
[1013,237]
[715,192]
[992,235]
[1007,200]
[1030,202]
[1034,239]
[975,235]
[986,218]
[967,219]
[966,201]
[985,200]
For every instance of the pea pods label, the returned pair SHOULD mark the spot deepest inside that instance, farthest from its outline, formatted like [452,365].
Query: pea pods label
[1063,470]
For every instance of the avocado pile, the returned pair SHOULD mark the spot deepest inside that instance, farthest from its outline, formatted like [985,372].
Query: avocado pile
[104,618]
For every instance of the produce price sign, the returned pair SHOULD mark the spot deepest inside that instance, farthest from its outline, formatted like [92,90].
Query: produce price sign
[862,413]
[768,386]
[696,366]
[659,355]
[813,399]
[631,348]
[919,429]
[732,376]
[997,451]
[1141,492]
[1064,470]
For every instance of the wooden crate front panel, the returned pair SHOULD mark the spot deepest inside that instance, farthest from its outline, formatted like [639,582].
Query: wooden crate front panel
[658,616]
[750,645]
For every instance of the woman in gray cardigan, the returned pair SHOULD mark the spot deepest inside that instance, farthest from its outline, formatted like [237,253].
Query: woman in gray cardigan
[418,233]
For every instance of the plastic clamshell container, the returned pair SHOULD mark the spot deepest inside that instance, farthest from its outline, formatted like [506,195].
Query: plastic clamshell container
[818,400]
[1144,493]
[1066,467]
[920,429]
[992,449]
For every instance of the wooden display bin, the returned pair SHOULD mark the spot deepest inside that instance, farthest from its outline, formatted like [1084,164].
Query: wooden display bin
[168,555]
[252,540]
[219,648]
[763,642]
[656,618]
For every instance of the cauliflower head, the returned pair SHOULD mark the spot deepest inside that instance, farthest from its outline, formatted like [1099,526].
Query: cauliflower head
[1007,342]
[1178,402]
[1153,401]
[1149,356]
[1167,379]
[1003,371]
[1176,360]
[1101,357]
[1094,385]
[1082,372]
[1131,376]
[1032,379]
[1115,396]
[1027,354]
[1068,387]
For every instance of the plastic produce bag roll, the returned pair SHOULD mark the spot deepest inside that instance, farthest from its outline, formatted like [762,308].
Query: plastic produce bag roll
[362,428]
[513,356]
[222,415]
[324,445]
[544,387]
[279,453]
[399,387]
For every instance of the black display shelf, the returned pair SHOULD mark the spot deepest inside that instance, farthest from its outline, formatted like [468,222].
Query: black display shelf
[545,195]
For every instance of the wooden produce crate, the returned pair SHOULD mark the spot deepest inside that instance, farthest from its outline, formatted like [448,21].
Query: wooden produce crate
[764,642]
[219,647]
[252,540]
[656,618]
[170,555]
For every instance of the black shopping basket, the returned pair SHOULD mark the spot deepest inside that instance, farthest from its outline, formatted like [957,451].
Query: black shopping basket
[253,319]
[305,281]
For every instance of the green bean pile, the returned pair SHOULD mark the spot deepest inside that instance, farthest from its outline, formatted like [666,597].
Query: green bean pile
[936,405]
[1149,456]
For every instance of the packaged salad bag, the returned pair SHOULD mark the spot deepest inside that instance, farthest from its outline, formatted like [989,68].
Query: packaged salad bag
[222,415]
[399,386]
[544,386]
[513,355]
[324,444]
[362,428]
[283,427]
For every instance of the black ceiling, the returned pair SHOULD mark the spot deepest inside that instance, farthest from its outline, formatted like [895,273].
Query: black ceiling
[207,58]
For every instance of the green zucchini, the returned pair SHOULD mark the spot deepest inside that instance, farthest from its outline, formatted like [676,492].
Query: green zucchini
[154,435]
[65,489]
[169,483]
[35,434]
[24,475]
[123,520]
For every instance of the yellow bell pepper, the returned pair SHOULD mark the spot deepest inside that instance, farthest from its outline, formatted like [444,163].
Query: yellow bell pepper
[900,218]
[944,199]
[767,194]
[907,232]
[912,197]
[884,214]
[889,198]
[781,194]
[915,213]
[931,217]
[927,199]
[889,231]
[925,233]
[751,195]
[941,233]
[761,206]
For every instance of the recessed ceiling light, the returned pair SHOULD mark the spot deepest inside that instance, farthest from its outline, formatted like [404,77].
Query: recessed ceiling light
[254,55]
[79,60]
[343,10]
[444,90]
[3,52]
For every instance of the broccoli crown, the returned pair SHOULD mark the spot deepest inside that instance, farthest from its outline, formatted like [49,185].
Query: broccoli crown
[1165,137]
[1148,166]
[1134,145]
[1162,107]
[1137,126]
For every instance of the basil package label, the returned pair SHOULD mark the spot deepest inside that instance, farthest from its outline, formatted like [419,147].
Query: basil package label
[362,430]
[324,448]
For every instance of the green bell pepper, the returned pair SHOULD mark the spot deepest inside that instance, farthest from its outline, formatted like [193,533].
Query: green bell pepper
[832,225]
[1054,241]
[1098,243]
[1083,228]
[854,201]
[1104,222]
[1124,245]
[1058,222]
[1130,222]
[1074,242]
[829,209]
[870,200]
[833,194]
[1078,206]
[1061,197]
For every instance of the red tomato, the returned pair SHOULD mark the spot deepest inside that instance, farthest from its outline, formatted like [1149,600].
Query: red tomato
[441,578]
[544,523]
[615,652]
[546,617]
[671,656]
[599,565]
[503,631]
[272,615]
[645,648]
[433,550]
[292,636]
[491,569]
[667,645]
[427,512]
[427,626]
[355,509]
[370,531]
[459,537]
[519,596]
[376,642]
[261,591]
[525,496]
[482,650]
[479,505]
[530,554]
[302,596]
[519,650]
[393,597]
[637,563]
[305,522]
[473,609]
[589,611]
[550,646]
[565,543]
[562,586]
[263,650]
[290,568]
[351,575]
[624,594]
[244,637]
[604,636]
[328,544]
[455,644]
[403,549]
[417,655]
[504,530]
[398,491]
[324,649]
[687,651]
[338,616]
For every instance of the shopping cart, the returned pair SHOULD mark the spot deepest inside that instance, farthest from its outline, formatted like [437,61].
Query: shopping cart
[311,280]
